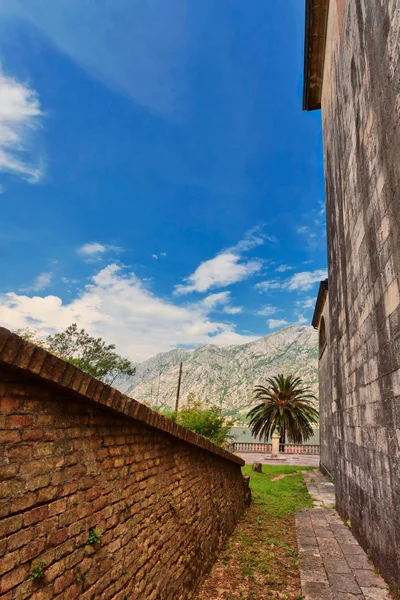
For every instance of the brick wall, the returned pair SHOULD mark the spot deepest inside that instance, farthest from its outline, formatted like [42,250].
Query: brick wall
[361,126]
[163,498]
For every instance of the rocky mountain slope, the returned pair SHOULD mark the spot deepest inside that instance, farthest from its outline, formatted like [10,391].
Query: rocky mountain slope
[225,375]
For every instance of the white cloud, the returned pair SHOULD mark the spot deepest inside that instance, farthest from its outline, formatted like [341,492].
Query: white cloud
[20,116]
[301,319]
[267,311]
[310,236]
[163,254]
[118,307]
[300,281]
[94,251]
[306,279]
[252,239]
[228,266]
[155,256]
[265,286]
[284,268]
[220,271]
[41,282]
[306,304]
[91,248]
[213,300]
[233,310]
[275,323]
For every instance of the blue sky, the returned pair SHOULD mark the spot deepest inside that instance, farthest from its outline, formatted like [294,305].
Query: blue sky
[160,184]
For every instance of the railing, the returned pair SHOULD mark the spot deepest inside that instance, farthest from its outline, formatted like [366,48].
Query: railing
[249,447]
[283,448]
[299,448]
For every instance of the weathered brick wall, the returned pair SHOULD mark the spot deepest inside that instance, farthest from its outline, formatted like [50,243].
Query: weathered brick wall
[164,503]
[361,124]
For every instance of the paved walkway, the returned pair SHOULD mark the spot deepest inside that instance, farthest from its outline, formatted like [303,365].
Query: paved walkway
[333,566]
[300,460]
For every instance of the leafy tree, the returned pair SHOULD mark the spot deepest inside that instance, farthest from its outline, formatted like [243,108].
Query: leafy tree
[208,421]
[88,353]
[31,335]
[165,410]
[285,406]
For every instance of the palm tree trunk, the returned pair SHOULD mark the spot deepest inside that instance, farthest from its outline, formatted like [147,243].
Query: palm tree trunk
[282,439]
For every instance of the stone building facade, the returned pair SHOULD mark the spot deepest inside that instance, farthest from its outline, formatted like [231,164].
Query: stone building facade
[352,72]
[100,496]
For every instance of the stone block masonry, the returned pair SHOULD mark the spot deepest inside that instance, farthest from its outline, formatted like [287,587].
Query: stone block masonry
[77,455]
[360,374]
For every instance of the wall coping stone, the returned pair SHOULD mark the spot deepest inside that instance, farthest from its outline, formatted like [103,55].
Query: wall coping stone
[31,359]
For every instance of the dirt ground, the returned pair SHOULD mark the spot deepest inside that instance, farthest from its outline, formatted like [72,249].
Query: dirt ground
[260,560]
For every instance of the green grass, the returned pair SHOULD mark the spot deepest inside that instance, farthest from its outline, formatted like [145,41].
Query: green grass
[282,497]
[260,560]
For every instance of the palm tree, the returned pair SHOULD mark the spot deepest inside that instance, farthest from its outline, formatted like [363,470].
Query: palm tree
[286,407]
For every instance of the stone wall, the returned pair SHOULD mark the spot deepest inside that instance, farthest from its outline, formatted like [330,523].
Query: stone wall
[325,406]
[77,455]
[361,126]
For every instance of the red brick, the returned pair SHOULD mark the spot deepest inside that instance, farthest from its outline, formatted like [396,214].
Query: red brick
[19,421]
[32,550]
[41,481]
[62,582]
[32,434]
[21,538]
[9,561]
[43,449]
[46,593]
[16,576]
[58,537]
[57,507]
[23,502]
[10,525]
[9,436]
[20,452]
[8,471]
[9,404]
[35,515]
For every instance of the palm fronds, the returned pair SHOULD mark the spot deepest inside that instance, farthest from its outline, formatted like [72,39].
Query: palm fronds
[284,406]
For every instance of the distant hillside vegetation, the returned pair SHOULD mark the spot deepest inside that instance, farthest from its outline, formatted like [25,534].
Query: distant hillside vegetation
[226,375]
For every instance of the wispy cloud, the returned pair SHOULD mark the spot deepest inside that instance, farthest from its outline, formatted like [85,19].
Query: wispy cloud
[40,283]
[227,267]
[275,323]
[93,251]
[306,304]
[300,281]
[20,116]
[267,310]
[301,319]
[252,239]
[157,256]
[233,310]
[265,286]
[315,230]
[284,268]
[213,300]
[309,235]
[306,279]
[221,271]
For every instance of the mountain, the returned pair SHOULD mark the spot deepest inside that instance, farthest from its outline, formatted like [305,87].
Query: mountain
[225,375]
